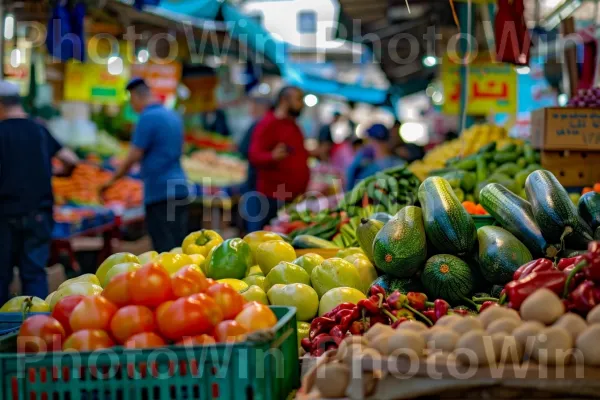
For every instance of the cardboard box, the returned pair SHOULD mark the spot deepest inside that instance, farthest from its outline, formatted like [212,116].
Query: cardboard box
[565,128]
[573,168]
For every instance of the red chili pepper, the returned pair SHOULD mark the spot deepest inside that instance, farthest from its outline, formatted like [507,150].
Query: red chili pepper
[376,289]
[336,332]
[343,306]
[380,318]
[320,325]
[440,308]
[487,304]
[357,328]
[321,341]
[518,291]
[578,278]
[460,311]
[368,305]
[305,343]
[399,321]
[592,269]
[341,314]
[583,298]
[541,264]
[417,300]
[565,263]
[430,314]
[396,300]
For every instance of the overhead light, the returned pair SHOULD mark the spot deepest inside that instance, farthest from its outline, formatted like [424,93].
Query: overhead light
[9,27]
[143,56]
[412,132]
[429,61]
[437,97]
[360,132]
[523,70]
[115,65]
[430,90]
[563,99]
[311,100]
[15,58]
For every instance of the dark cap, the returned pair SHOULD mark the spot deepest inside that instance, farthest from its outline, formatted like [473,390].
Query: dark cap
[134,83]
[378,132]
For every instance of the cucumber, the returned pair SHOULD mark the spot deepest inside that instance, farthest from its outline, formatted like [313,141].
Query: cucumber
[467,164]
[312,242]
[509,169]
[447,224]
[482,169]
[447,277]
[503,158]
[522,162]
[391,284]
[488,148]
[441,171]
[400,247]
[508,148]
[460,194]
[500,254]
[365,234]
[555,213]
[460,179]
[529,153]
[521,177]
[515,215]
[589,208]
[492,166]
[453,179]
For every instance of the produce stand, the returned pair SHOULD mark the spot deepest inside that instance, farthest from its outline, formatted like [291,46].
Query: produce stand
[263,367]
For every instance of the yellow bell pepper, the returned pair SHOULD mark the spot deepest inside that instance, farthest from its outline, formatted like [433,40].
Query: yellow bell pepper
[201,242]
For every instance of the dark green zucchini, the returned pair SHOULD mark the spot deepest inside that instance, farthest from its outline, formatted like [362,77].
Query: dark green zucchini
[554,212]
[589,208]
[447,224]
[500,254]
[312,242]
[515,215]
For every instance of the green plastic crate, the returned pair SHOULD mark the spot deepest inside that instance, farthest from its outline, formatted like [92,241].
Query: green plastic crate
[483,220]
[265,368]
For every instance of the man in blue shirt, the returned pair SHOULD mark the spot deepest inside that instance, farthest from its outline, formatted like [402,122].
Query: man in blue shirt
[26,152]
[157,144]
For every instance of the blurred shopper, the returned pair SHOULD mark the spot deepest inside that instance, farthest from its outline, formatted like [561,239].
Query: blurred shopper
[374,157]
[26,201]
[326,144]
[157,144]
[216,121]
[281,161]
[258,108]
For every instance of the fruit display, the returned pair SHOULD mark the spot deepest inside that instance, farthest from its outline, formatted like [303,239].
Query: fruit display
[139,307]
[508,164]
[585,98]
[470,142]
[82,188]
[210,168]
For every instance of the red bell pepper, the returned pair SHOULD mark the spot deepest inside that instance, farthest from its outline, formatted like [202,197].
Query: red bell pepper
[376,289]
[343,306]
[487,304]
[357,328]
[583,298]
[396,300]
[399,321]
[460,311]
[320,325]
[416,300]
[518,291]
[541,264]
[369,305]
[430,315]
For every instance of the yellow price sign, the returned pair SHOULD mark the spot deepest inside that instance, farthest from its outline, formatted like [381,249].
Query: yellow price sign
[92,83]
[492,86]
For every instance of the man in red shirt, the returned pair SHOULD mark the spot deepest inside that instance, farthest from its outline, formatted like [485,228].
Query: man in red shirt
[277,153]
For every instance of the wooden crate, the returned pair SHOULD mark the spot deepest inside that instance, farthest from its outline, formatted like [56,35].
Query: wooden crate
[566,128]
[573,168]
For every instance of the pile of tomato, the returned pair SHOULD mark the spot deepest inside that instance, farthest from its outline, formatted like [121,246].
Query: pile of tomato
[145,309]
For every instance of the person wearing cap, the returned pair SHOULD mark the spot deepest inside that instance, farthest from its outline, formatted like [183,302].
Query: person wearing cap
[26,201]
[277,152]
[376,156]
[325,139]
[157,144]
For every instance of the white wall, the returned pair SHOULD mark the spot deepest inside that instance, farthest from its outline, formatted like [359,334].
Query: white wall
[280,18]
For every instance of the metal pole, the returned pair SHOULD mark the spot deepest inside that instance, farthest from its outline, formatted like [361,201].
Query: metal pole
[466,30]
[2,39]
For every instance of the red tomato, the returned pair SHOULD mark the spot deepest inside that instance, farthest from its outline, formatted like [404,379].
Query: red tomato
[88,340]
[93,312]
[117,291]
[187,281]
[196,340]
[150,286]
[256,317]
[162,309]
[145,340]
[188,316]
[64,308]
[131,320]
[228,299]
[230,331]
[40,333]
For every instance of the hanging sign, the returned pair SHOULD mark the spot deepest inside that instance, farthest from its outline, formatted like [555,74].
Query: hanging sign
[492,86]
[163,79]
[92,83]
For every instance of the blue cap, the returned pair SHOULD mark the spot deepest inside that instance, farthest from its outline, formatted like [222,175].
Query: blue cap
[378,132]
[134,83]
